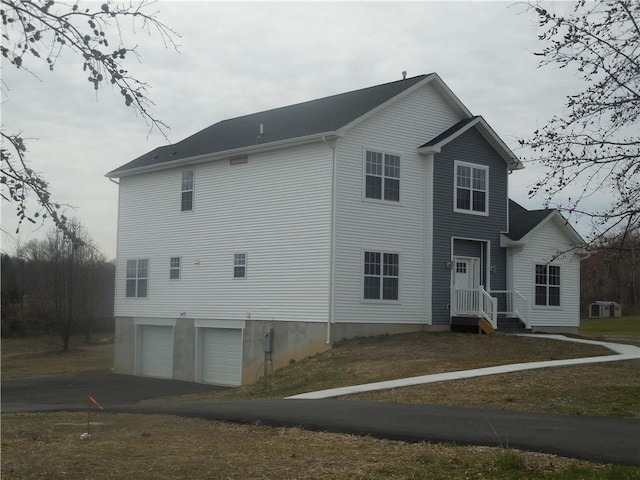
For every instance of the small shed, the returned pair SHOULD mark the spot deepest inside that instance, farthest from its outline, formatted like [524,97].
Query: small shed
[602,309]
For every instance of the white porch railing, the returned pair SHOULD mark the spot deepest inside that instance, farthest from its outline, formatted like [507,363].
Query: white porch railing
[512,304]
[476,302]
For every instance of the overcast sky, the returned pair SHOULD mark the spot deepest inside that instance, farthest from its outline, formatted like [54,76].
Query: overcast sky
[239,58]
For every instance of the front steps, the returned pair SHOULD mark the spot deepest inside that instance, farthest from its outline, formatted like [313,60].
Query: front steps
[512,325]
[475,325]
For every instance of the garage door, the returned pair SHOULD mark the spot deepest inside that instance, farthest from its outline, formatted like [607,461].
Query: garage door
[156,351]
[221,356]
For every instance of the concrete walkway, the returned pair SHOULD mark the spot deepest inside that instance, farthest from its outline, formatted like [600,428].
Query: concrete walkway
[621,352]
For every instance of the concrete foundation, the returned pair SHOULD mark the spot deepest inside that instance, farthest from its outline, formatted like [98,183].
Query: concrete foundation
[292,341]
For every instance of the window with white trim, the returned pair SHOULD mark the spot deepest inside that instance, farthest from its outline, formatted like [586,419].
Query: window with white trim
[239,265]
[137,277]
[547,284]
[174,268]
[381,276]
[187,190]
[382,178]
[471,195]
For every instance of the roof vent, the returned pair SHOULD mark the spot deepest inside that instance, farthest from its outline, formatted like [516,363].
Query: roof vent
[261,130]
[404,75]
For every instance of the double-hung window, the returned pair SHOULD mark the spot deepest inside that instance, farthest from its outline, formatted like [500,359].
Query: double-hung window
[547,285]
[137,277]
[174,268]
[382,179]
[471,195]
[239,265]
[381,276]
[187,190]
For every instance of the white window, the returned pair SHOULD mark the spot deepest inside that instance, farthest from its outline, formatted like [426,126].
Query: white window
[381,276]
[174,268]
[547,285]
[187,190]
[239,265]
[471,194]
[382,178]
[137,277]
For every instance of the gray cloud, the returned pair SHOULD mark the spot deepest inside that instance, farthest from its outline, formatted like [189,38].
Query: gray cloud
[238,58]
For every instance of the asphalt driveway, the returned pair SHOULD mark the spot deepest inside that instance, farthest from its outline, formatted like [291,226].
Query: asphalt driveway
[70,393]
[604,439]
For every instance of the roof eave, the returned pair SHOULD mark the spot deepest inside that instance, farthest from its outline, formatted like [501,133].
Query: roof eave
[510,158]
[506,242]
[208,157]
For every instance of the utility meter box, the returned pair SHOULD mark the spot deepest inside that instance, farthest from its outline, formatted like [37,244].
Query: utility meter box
[267,340]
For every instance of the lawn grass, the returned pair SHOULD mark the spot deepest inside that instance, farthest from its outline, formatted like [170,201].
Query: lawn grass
[373,359]
[48,446]
[605,389]
[42,356]
[617,329]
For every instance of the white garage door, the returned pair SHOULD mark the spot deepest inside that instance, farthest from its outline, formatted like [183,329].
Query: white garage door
[221,356]
[156,351]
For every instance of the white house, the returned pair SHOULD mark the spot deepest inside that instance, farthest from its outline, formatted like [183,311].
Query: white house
[268,237]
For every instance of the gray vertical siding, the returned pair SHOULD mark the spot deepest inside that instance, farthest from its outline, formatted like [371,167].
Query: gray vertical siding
[473,148]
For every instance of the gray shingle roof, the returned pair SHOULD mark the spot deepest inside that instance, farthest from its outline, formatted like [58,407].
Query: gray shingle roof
[522,221]
[303,119]
[449,132]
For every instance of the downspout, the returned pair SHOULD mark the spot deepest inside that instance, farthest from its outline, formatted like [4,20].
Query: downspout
[332,235]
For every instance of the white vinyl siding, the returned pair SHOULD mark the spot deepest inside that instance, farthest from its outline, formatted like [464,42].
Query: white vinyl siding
[540,248]
[277,207]
[377,226]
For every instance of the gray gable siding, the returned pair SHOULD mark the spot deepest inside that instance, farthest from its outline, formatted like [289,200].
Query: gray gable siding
[473,148]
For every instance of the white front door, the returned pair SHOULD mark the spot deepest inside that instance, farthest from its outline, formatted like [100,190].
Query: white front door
[466,273]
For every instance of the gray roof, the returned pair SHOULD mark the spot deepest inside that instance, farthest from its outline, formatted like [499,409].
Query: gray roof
[522,221]
[449,132]
[295,121]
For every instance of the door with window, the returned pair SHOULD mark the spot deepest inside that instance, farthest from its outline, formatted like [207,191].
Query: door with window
[466,273]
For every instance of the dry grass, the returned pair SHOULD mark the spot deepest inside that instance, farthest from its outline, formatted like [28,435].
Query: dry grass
[39,446]
[620,329]
[381,358]
[43,356]
[609,389]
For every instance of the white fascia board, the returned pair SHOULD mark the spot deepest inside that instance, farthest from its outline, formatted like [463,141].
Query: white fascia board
[208,157]
[506,242]
[505,152]
[449,96]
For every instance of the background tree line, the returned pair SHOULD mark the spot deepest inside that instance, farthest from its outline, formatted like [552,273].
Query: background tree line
[57,286]
[611,272]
